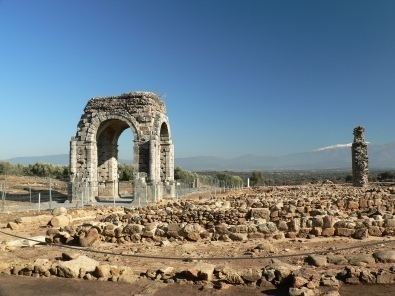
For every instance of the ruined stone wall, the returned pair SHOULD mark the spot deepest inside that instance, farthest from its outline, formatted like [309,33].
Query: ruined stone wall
[94,150]
[360,158]
[260,213]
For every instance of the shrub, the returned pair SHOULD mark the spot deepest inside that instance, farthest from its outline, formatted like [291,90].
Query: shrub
[125,172]
[257,179]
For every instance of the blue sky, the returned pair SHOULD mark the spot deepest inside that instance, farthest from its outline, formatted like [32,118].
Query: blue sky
[238,77]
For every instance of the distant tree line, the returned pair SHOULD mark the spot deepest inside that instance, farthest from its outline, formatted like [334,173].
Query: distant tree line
[222,179]
[386,176]
[212,178]
[272,178]
[37,169]
[228,180]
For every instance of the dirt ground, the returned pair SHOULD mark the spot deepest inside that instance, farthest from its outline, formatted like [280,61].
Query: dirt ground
[21,184]
[13,285]
[26,286]
[187,249]
[23,191]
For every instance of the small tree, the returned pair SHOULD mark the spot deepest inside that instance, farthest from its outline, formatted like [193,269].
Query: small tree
[256,178]
[125,172]
[184,176]
[385,176]
[348,179]
[5,168]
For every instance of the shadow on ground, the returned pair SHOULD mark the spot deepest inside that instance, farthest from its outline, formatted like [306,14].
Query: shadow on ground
[57,196]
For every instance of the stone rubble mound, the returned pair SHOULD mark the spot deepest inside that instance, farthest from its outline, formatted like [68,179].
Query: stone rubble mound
[273,212]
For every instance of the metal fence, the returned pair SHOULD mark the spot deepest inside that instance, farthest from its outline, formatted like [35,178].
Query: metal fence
[32,197]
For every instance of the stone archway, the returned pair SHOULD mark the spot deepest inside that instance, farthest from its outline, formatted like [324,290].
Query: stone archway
[107,156]
[94,150]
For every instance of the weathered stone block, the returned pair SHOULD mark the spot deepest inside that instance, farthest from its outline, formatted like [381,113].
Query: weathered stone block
[344,232]
[262,213]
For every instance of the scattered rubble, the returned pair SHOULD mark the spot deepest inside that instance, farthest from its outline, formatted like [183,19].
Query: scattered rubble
[299,279]
[268,221]
[304,212]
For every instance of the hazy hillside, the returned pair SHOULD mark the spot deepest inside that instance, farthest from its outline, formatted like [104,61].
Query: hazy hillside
[380,157]
[59,159]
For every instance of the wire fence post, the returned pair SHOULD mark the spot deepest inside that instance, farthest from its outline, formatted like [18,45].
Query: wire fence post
[154,192]
[82,197]
[87,191]
[138,195]
[39,201]
[113,193]
[4,193]
[50,194]
[146,194]
[30,193]
[3,198]
[74,194]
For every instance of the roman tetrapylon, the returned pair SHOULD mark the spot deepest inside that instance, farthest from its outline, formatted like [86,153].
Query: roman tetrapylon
[94,149]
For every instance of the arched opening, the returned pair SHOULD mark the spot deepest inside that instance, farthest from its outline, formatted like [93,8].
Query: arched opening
[109,158]
[164,152]
[125,163]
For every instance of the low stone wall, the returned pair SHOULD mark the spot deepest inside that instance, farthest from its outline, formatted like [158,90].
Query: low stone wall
[278,212]
[376,268]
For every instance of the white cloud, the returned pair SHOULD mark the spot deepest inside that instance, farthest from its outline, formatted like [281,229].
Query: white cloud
[336,146]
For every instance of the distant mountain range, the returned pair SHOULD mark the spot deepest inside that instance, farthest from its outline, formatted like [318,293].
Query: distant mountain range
[331,157]
[58,159]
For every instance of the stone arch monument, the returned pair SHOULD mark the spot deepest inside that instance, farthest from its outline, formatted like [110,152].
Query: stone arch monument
[94,149]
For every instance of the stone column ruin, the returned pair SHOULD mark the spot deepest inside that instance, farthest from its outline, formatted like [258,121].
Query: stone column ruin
[359,154]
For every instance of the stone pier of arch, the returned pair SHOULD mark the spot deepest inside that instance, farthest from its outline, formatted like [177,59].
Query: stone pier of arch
[94,149]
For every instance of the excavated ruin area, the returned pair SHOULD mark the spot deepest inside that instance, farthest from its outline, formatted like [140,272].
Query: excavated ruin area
[263,225]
